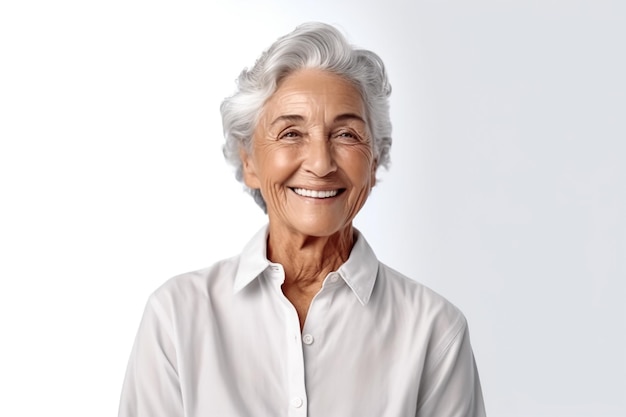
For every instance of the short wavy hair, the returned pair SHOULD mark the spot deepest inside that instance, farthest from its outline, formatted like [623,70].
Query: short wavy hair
[316,46]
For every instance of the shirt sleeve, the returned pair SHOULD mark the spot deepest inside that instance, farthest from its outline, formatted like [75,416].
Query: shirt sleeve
[451,385]
[151,386]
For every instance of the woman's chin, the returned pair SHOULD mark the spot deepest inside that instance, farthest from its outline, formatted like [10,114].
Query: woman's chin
[316,226]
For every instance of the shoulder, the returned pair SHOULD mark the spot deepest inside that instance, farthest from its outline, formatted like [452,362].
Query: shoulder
[208,288]
[417,302]
[421,314]
[197,286]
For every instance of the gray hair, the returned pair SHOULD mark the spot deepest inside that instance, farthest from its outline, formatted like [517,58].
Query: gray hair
[310,45]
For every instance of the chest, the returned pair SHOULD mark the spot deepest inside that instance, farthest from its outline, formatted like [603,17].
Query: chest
[256,356]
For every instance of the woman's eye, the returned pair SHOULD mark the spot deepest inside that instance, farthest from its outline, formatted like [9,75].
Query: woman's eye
[290,134]
[346,135]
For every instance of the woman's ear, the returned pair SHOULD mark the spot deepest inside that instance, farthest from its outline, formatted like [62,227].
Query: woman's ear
[250,177]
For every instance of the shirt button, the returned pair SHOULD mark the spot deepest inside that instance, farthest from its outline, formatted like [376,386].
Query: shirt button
[296,402]
[307,339]
[334,278]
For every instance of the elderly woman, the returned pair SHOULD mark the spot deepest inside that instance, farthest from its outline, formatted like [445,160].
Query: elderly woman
[305,321]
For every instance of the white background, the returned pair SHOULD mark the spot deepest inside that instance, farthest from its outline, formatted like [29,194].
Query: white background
[506,193]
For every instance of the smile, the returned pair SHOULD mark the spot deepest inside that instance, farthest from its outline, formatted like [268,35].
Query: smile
[314,193]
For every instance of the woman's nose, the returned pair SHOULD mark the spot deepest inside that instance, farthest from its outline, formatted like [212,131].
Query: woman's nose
[319,158]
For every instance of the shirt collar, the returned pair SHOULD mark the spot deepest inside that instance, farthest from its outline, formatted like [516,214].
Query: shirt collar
[252,260]
[361,269]
[358,272]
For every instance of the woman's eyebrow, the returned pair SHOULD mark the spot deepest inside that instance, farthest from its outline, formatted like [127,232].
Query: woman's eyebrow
[349,116]
[296,118]
[293,118]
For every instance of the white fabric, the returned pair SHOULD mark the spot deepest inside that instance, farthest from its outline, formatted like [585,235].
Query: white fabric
[225,342]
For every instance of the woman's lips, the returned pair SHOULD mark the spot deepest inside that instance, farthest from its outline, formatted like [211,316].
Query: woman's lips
[315,193]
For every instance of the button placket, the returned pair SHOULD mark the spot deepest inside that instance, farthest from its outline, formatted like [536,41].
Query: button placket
[296,388]
[295,360]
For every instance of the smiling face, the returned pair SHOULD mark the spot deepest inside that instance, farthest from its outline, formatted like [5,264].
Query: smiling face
[312,155]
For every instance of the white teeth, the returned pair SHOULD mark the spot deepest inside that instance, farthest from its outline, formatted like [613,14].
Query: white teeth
[315,194]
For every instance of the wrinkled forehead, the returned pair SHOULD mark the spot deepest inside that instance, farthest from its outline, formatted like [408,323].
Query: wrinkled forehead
[312,91]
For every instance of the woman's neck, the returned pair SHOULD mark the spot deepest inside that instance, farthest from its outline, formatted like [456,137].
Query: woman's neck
[307,260]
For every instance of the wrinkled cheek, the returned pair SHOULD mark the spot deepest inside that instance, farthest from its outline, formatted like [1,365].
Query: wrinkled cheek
[275,196]
[361,155]
[270,191]
[360,201]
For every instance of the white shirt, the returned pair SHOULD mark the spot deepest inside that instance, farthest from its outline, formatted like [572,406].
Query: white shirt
[225,342]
